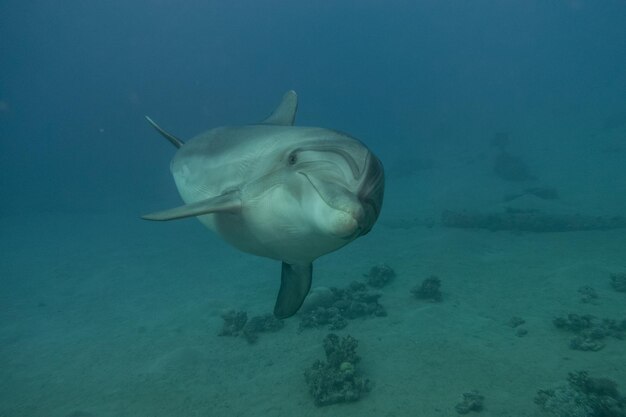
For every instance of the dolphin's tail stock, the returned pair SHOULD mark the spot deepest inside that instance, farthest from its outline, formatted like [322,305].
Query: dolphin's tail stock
[173,139]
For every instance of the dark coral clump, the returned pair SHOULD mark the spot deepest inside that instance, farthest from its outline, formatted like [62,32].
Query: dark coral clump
[590,330]
[336,380]
[380,275]
[236,323]
[588,295]
[348,303]
[516,321]
[321,316]
[357,301]
[618,282]
[472,401]
[429,289]
[261,324]
[583,396]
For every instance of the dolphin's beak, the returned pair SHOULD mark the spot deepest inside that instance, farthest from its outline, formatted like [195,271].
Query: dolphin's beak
[349,222]
[345,226]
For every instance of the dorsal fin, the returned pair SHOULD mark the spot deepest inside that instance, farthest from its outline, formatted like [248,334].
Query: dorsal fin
[173,139]
[285,113]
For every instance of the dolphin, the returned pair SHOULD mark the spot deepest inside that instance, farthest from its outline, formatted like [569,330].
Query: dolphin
[279,191]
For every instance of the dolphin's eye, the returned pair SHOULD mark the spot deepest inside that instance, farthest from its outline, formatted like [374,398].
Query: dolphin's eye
[292,159]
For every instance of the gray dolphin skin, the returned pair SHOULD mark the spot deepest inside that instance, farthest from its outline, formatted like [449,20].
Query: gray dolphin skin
[279,191]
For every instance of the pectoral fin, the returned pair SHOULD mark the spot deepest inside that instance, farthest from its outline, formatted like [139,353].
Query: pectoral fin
[167,135]
[295,283]
[228,202]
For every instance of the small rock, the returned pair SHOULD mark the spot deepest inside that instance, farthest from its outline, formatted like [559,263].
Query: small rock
[588,294]
[516,321]
[521,332]
[618,282]
[318,297]
[430,289]
[586,344]
[472,401]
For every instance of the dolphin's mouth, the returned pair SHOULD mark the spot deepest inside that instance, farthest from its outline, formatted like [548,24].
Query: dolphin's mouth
[339,198]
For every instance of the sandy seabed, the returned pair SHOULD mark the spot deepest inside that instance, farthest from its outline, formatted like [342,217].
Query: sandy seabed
[105,315]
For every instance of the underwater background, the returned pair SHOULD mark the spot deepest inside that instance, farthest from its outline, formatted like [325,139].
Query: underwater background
[493,284]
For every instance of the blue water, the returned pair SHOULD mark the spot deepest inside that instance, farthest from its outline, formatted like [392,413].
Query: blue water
[103,314]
